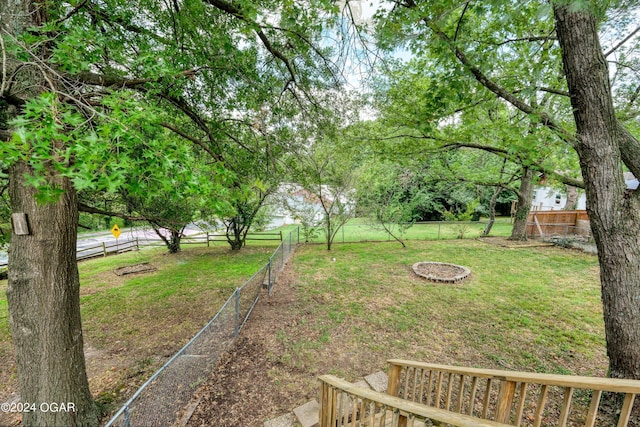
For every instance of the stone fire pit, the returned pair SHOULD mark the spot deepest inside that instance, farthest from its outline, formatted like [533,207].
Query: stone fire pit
[441,272]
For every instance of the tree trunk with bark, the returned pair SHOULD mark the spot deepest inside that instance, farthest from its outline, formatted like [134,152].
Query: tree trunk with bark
[43,291]
[492,211]
[614,211]
[236,233]
[525,194]
[572,198]
[43,295]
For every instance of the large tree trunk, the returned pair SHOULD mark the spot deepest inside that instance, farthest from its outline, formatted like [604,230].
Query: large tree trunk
[525,194]
[44,306]
[43,292]
[614,212]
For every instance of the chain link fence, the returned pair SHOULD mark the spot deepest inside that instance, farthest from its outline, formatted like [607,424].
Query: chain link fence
[158,400]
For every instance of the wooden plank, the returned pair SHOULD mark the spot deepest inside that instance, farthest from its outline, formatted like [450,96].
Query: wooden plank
[422,380]
[535,220]
[472,398]
[430,386]
[414,389]
[593,409]
[408,407]
[436,403]
[541,402]
[363,410]
[447,403]
[627,406]
[323,403]
[522,398]
[393,386]
[405,389]
[461,394]
[354,412]
[617,385]
[505,400]
[566,407]
[487,396]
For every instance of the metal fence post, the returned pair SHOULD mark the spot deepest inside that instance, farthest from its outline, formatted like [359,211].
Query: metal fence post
[438,231]
[298,234]
[127,417]
[269,277]
[237,311]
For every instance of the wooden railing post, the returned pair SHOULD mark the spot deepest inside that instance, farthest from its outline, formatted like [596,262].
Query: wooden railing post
[393,387]
[505,400]
[324,403]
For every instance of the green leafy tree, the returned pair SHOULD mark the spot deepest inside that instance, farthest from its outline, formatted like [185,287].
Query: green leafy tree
[81,83]
[547,63]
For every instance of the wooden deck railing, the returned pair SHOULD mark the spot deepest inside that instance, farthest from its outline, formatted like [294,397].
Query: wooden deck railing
[515,398]
[344,404]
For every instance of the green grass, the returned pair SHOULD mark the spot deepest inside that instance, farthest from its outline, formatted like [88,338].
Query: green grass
[365,230]
[134,323]
[530,308]
[350,309]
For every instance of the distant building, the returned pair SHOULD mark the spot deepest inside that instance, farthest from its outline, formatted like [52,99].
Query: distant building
[552,199]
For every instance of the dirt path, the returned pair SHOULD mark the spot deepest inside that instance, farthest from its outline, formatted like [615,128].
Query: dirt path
[244,389]
[274,365]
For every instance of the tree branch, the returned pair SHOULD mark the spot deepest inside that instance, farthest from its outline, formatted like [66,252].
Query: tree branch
[614,48]
[506,154]
[72,12]
[237,12]
[104,80]
[485,81]
[82,207]
[196,141]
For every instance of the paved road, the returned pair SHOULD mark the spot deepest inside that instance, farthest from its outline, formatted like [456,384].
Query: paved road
[145,235]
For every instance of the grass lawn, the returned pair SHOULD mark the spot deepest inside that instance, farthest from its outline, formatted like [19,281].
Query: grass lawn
[535,309]
[133,324]
[527,308]
[344,312]
[363,229]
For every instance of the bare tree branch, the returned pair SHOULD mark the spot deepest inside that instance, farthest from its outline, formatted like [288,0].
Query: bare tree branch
[617,46]
[72,12]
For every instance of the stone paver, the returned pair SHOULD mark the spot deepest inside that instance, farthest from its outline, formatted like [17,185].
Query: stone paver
[378,381]
[286,420]
[308,414]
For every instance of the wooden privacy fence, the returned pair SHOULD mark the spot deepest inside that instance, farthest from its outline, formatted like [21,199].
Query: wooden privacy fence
[514,398]
[545,223]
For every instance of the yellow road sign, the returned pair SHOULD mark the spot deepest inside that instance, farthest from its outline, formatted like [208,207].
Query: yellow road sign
[115,231]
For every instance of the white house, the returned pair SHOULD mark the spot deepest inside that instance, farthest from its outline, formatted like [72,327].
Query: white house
[550,199]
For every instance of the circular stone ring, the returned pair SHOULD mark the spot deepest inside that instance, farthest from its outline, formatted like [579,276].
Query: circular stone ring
[441,272]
